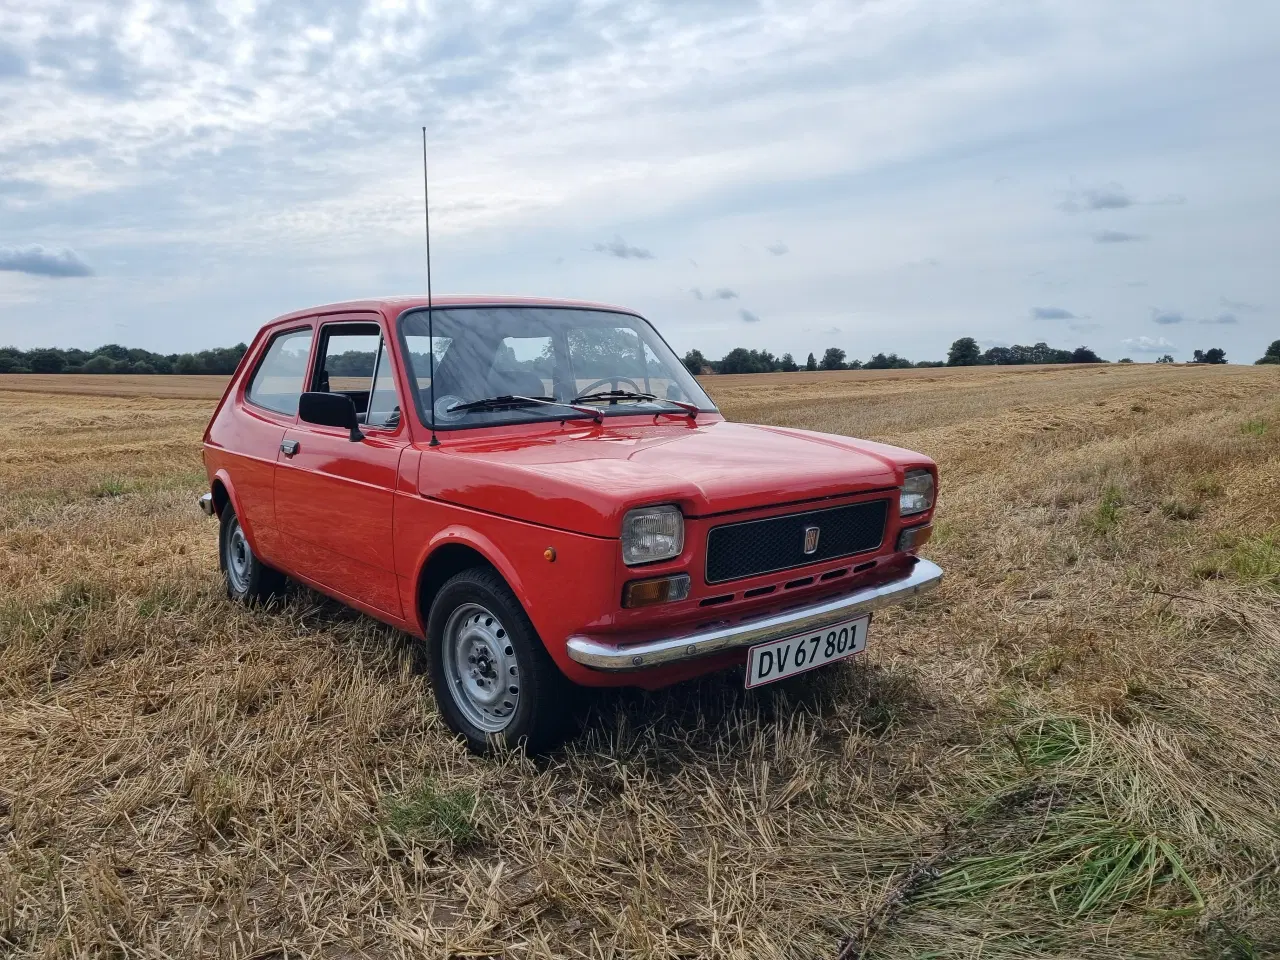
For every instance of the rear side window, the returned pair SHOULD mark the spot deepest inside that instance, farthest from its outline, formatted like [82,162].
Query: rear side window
[277,384]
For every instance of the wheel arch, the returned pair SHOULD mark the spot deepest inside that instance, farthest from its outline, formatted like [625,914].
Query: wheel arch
[449,554]
[221,497]
[224,494]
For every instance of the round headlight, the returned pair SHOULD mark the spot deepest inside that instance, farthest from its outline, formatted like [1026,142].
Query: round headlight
[917,493]
[652,533]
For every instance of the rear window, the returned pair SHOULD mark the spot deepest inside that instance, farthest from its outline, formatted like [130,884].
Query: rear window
[277,383]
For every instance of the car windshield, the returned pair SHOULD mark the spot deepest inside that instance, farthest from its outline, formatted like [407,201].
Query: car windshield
[612,362]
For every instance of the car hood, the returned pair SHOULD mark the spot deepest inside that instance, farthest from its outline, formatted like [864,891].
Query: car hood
[584,478]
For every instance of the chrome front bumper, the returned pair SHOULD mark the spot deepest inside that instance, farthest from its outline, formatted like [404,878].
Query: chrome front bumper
[602,655]
[206,503]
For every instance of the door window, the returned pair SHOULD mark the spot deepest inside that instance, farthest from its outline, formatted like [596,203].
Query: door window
[384,408]
[277,384]
[353,361]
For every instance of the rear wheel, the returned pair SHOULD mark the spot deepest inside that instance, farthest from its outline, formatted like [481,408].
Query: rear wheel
[249,580]
[494,680]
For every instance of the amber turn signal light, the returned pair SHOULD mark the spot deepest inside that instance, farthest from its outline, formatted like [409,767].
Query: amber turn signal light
[644,593]
[914,537]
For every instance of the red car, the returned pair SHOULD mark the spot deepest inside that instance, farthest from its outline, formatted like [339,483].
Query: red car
[541,491]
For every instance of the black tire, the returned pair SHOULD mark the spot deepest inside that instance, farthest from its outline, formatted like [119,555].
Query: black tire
[248,579]
[542,713]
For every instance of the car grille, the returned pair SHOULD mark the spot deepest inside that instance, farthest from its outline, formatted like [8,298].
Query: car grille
[738,550]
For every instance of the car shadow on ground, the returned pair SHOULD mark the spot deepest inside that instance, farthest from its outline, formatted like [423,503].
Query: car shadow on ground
[699,718]
[689,721]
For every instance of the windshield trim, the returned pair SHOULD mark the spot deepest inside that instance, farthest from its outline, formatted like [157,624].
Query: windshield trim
[611,411]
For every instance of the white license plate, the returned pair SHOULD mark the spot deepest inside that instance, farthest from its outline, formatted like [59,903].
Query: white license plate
[776,659]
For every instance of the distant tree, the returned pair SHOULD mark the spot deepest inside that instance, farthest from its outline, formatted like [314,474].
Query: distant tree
[695,362]
[1273,353]
[964,353]
[45,361]
[112,351]
[737,360]
[931,363]
[811,364]
[853,365]
[742,360]
[833,359]
[1167,358]
[99,363]
[12,364]
[1084,355]
[1019,354]
[788,363]
[222,360]
[1212,355]
[1124,360]
[890,362]
[188,363]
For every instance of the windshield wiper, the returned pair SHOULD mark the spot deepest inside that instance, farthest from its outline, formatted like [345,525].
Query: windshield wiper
[614,395]
[511,400]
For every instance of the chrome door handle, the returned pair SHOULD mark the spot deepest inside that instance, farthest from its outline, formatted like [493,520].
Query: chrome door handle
[289,447]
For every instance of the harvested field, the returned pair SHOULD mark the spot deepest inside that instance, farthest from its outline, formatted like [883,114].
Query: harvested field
[1072,749]
[121,385]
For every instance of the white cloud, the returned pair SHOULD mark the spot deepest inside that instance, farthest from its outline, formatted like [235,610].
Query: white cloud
[238,160]
[1149,345]
[1051,313]
[39,261]
[617,247]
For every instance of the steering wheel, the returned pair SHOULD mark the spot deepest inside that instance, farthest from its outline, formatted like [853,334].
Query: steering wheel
[613,382]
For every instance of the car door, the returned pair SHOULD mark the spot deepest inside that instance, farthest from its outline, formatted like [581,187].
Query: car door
[334,497]
[260,415]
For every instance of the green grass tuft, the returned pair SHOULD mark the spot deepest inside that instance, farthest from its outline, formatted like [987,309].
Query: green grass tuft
[1256,560]
[427,813]
[1207,486]
[110,487]
[1254,428]
[1052,741]
[1107,515]
[1251,560]
[1081,864]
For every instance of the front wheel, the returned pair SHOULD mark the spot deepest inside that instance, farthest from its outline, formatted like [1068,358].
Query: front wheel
[494,680]
[249,580]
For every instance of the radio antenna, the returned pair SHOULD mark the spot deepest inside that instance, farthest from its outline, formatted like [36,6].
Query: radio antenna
[431,337]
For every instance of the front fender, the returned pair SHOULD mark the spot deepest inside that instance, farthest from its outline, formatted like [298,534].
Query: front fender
[563,580]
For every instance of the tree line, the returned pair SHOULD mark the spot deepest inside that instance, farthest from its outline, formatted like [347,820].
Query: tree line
[222,361]
[113,358]
[964,352]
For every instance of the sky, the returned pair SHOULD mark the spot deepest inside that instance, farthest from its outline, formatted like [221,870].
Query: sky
[882,176]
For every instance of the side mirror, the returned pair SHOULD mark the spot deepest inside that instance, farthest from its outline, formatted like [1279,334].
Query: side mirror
[330,410]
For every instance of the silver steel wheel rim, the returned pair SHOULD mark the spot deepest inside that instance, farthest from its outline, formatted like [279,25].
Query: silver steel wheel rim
[239,558]
[480,667]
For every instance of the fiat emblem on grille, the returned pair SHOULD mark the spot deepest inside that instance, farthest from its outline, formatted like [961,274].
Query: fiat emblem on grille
[811,539]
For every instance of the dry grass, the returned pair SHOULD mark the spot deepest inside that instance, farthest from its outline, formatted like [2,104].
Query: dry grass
[1071,750]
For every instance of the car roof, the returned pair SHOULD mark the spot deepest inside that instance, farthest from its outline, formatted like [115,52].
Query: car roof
[393,306]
